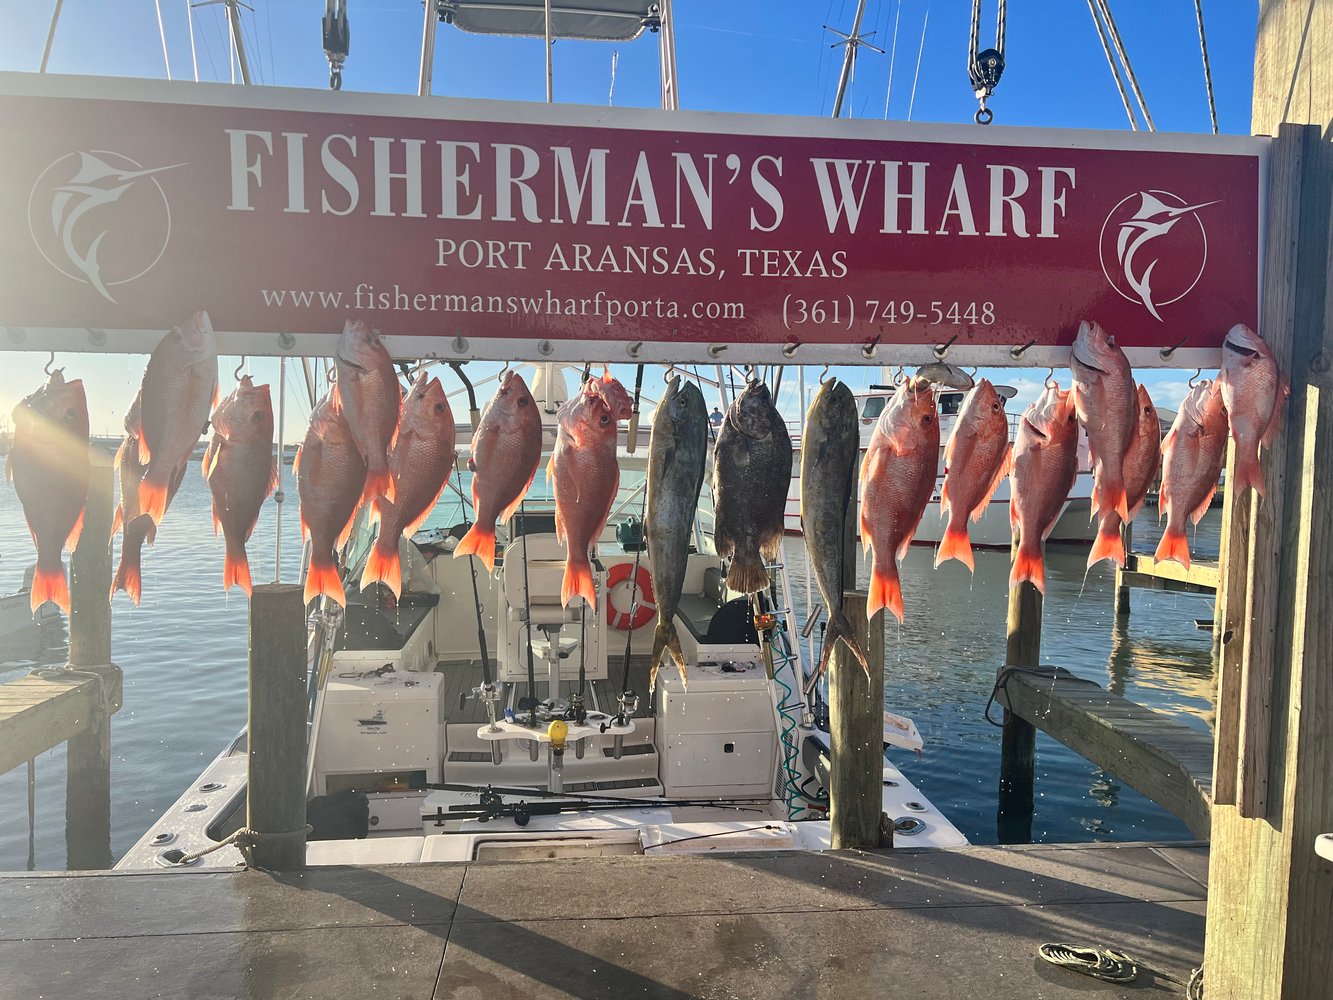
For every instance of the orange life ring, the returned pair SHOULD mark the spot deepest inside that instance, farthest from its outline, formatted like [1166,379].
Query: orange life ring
[644,610]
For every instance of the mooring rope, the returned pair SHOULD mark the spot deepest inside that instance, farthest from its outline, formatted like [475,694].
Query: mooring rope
[245,839]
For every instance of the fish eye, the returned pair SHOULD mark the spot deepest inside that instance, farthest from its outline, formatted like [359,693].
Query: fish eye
[995,407]
[71,414]
[606,419]
[522,401]
[926,419]
[439,407]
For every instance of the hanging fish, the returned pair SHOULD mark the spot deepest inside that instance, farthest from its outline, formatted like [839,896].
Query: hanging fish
[1045,467]
[1252,390]
[330,475]
[367,391]
[49,465]
[976,460]
[1193,454]
[897,478]
[241,472]
[829,449]
[585,475]
[1142,462]
[421,460]
[677,453]
[506,451]
[1105,399]
[752,462]
[179,389]
[135,526]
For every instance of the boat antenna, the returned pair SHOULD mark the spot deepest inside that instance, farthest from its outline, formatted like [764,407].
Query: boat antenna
[852,41]
[985,67]
[337,40]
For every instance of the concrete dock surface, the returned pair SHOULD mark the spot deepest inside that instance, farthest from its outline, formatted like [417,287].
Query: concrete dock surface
[953,923]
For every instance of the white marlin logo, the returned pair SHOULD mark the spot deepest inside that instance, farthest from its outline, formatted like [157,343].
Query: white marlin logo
[95,184]
[1153,220]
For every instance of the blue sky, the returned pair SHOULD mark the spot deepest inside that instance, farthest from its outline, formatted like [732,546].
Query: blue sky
[740,55]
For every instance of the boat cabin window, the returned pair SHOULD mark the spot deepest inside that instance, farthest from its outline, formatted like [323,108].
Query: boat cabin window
[874,407]
[951,403]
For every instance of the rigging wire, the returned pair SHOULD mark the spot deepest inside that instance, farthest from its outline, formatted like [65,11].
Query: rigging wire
[1110,61]
[162,33]
[893,53]
[911,104]
[1119,45]
[1207,70]
[194,53]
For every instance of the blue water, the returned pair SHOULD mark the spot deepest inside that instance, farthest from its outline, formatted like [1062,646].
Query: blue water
[184,657]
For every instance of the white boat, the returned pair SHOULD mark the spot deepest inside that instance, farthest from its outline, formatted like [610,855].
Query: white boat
[992,530]
[424,748]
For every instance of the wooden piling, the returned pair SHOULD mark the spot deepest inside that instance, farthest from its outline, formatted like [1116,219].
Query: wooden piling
[1018,741]
[88,752]
[856,722]
[275,801]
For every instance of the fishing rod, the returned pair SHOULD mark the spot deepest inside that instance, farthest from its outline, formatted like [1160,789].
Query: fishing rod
[476,592]
[527,618]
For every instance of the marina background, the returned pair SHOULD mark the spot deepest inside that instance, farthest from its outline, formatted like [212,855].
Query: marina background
[184,656]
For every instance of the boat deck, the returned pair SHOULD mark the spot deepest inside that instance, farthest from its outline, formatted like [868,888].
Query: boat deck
[953,923]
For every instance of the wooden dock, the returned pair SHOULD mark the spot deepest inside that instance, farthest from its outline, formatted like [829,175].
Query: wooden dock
[1169,762]
[965,922]
[1144,572]
[39,712]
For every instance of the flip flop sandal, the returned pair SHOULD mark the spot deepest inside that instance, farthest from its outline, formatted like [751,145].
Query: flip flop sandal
[1099,963]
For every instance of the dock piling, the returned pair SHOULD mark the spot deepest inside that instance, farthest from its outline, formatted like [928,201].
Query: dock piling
[856,721]
[1018,742]
[275,800]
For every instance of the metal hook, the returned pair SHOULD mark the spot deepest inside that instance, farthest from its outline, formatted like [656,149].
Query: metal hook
[941,350]
[900,376]
[46,369]
[507,365]
[332,374]
[1049,381]
[1018,352]
[973,374]
[1195,377]
[751,375]
[669,374]
[823,376]
[789,349]
[1166,352]
[237,373]
[868,351]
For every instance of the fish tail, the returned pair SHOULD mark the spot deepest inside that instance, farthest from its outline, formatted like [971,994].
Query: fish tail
[666,639]
[956,545]
[1030,566]
[379,483]
[236,569]
[383,566]
[747,575]
[129,574]
[1111,497]
[578,582]
[322,578]
[153,496]
[1174,545]
[480,542]
[1108,543]
[839,627]
[886,591]
[49,584]
[1248,471]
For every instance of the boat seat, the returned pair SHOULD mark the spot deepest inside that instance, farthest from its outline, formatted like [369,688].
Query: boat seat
[697,610]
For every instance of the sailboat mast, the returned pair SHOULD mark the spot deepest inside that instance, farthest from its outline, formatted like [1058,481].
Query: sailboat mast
[849,58]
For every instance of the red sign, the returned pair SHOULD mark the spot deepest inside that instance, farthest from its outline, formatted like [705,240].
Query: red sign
[498,230]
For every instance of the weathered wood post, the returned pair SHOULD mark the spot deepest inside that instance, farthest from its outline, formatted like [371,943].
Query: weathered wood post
[856,719]
[275,800]
[1269,896]
[88,753]
[1018,741]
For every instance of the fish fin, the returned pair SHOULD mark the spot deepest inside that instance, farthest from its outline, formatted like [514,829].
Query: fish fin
[480,542]
[1248,473]
[346,533]
[322,578]
[1013,510]
[118,519]
[236,569]
[772,548]
[73,540]
[1197,513]
[273,478]
[145,453]
[746,576]
[956,545]
[1108,543]
[129,574]
[578,582]
[1029,565]
[945,504]
[840,628]
[1174,545]
[415,526]
[49,585]
[296,461]
[886,591]
[508,512]
[383,567]
[1283,392]
[152,498]
[1006,466]
[1109,497]
[217,522]
[379,483]
[210,459]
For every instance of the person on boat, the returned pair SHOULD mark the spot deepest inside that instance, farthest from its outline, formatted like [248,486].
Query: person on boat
[715,418]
